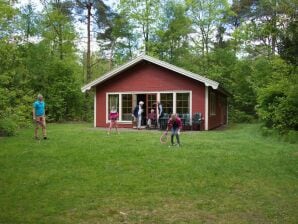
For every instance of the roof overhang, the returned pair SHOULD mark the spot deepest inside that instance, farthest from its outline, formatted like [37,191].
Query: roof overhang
[115,72]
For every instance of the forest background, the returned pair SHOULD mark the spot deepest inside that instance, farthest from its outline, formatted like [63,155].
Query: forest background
[249,46]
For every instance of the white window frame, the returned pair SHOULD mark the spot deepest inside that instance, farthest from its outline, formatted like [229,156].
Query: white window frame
[120,121]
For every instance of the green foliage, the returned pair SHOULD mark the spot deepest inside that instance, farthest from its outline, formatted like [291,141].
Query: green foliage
[234,43]
[171,41]
[291,137]
[63,93]
[278,98]
[239,116]
[8,126]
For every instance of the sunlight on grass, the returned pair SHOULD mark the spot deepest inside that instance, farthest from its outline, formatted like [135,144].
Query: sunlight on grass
[82,175]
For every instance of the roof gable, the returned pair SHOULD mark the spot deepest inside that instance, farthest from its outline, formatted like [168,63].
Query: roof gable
[115,72]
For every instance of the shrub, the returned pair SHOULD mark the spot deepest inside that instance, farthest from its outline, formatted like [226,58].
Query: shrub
[291,137]
[7,127]
[241,117]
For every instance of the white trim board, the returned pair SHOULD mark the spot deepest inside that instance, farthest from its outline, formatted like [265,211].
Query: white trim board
[94,109]
[206,108]
[116,71]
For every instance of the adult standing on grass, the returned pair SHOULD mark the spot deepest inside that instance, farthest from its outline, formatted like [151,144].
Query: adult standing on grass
[175,125]
[39,116]
[137,113]
[160,112]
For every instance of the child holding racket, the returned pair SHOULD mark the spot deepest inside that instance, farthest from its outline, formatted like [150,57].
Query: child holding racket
[175,125]
[113,117]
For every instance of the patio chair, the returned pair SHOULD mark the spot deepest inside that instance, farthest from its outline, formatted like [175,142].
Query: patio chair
[197,121]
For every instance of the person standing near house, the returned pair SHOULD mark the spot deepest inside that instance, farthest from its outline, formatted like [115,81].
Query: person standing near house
[137,112]
[151,119]
[160,112]
[39,116]
[113,119]
[175,125]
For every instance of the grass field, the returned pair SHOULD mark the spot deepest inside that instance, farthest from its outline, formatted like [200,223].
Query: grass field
[81,175]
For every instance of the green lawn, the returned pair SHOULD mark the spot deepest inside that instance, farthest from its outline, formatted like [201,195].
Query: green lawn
[81,175]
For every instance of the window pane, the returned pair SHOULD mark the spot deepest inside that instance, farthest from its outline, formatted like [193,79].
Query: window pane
[151,103]
[166,100]
[126,107]
[113,101]
[182,103]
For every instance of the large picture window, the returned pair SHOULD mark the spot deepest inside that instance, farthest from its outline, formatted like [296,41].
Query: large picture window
[166,100]
[182,103]
[113,101]
[125,102]
[126,107]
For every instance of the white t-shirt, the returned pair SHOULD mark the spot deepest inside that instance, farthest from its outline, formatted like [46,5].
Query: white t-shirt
[140,110]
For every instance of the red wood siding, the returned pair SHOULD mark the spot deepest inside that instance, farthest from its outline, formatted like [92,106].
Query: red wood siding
[220,116]
[146,76]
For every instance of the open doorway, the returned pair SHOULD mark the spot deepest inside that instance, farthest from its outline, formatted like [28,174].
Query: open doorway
[142,97]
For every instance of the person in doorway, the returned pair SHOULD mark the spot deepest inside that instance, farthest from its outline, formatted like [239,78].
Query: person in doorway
[137,113]
[39,116]
[113,120]
[175,125]
[151,118]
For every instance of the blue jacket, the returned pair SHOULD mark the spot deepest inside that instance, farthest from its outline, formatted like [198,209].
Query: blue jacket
[136,111]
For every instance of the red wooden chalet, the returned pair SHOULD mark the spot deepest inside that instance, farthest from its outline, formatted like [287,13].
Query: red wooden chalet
[151,80]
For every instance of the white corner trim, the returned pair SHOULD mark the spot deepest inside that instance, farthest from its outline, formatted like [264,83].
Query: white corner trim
[206,108]
[94,124]
[174,102]
[190,107]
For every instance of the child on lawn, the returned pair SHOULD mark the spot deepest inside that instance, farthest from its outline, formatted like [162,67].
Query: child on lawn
[113,117]
[175,125]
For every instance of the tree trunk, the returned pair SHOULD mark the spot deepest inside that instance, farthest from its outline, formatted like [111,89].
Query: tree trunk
[274,29]
[60,42]
[111,55]
[88,63]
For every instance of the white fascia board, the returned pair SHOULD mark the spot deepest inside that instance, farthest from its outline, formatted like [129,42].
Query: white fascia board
[110,74]
[206,81]
[174,68]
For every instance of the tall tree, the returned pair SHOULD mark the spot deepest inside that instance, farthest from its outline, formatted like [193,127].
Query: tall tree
[263,23]
[117,37]
[91,10]
[58,26]
[144,16]
[206,15]
[172,38]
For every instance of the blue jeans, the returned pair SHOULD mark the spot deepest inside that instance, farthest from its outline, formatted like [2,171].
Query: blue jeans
[175,133]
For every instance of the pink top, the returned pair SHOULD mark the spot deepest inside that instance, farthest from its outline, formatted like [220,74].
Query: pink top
[114,115]
[152,116]
[175,124]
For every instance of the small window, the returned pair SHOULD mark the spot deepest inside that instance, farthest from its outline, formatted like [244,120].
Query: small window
[212,104]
